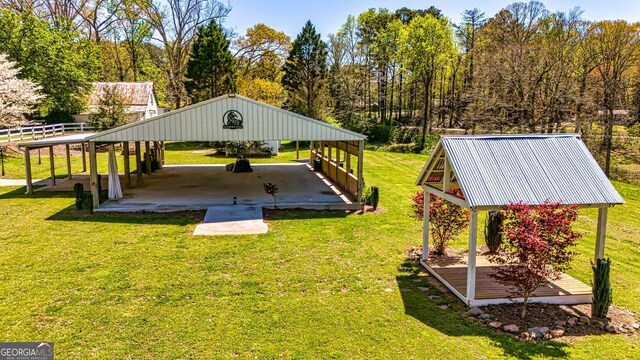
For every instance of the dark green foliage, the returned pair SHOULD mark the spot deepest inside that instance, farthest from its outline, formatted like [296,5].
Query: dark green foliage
[305,74]
[79,191]
[375,197]
[492,234]
[211,67]
[58,116]
[111,111]
[601,284]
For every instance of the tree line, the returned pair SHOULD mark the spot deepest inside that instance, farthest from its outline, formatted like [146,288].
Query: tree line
[396,76]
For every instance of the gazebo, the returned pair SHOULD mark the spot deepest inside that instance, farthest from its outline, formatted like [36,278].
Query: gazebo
[493,171]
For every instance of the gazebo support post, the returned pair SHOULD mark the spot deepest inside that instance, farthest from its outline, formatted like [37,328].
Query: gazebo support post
[138,163]
[84,158]
[297,149]
[601,232]
[127,165]
[93,171]
[471,262]
[425,224]
[360,162]
[27,168]
[52,166]
[68,153]
[147,156]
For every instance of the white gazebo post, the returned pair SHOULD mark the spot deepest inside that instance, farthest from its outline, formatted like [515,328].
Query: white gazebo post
[601,232]
[425,224]
[471,261]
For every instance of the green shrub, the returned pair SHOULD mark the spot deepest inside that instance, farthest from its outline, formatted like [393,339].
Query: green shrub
[375,196]
[492,234]
[601,285]
[366,196]
[403,148]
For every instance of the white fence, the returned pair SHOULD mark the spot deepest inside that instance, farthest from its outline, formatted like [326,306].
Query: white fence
[41,131]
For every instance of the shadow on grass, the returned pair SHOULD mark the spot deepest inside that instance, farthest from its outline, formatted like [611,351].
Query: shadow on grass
[452,322]
[19,193]
[181,218]
[302,214]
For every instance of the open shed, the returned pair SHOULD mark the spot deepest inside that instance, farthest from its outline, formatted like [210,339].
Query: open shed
[493,171]
[237,118]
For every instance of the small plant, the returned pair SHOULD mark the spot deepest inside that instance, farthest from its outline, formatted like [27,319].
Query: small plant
[601,285]
[80,197]
[272,189]
[375,197]
[366,196]
[446,219]
[492,230]
[535,247]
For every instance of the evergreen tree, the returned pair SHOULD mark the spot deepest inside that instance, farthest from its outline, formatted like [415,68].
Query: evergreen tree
[305,74]
[211,67]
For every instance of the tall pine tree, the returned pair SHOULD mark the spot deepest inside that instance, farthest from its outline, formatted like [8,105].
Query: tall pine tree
[305,74]
[211,67]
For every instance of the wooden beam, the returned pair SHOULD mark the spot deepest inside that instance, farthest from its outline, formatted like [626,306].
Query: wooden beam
[147,156]
[93,175]
[138,163]
[360,164]
[425,225]
[127,165]
[601,232]
[471,261]
[446,176]
[53,167]
[84,158]
[68,153]
[451,198]
[27,170]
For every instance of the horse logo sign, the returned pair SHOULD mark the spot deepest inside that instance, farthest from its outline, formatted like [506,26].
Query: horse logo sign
[232,119]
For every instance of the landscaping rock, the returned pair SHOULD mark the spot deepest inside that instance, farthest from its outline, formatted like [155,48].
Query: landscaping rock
[512,329]
[524,335]
[423,288]
[572,322]
[434,297]
[495,324]
[548,336]
[635,326]
[560,323]
[443,307]
[610,328]
[601,324]
[585,320]
[485,316]
[538,332]
[475,311]
[557,332]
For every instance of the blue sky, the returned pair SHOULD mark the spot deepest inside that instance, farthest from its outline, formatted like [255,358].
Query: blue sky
[328,15]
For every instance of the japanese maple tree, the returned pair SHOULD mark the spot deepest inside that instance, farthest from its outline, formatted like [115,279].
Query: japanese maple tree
[446,219]
[535,247]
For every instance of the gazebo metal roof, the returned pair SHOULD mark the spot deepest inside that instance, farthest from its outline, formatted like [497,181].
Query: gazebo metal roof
[496,170]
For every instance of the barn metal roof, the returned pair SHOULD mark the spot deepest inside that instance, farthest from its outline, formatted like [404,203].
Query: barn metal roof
[497,170]
[205,121]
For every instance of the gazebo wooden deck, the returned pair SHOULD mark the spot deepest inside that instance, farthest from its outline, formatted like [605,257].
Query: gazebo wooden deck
[453,270]
[494,171]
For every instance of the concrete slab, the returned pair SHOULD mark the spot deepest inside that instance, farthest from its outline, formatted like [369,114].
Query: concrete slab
[232,220]
[198,187]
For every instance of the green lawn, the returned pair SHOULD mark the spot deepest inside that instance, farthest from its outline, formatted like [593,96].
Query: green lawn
[316,286]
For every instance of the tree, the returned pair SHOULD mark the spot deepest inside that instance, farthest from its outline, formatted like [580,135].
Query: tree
[446,219]
[211,66]
[535,247]
[17,96]
[305,74]
[618,47]
[111,111]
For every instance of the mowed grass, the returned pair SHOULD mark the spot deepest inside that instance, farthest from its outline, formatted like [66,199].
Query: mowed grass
[318,285]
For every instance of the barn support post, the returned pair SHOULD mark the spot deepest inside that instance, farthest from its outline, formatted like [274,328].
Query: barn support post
[93,171]
[297,149]
[425,224]
[84,158]
[68,153]
[360,163]
[601,232]
[471,262]
[147,156]
[138,163]
[27,170]
[52,166]
[127,165]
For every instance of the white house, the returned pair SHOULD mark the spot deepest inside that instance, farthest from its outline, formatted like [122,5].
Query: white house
[138,97]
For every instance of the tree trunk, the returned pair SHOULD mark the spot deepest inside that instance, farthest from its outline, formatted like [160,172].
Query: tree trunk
[608,141]
[425,115]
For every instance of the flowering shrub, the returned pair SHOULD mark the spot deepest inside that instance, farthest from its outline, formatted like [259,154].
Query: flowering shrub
[535,247]
[446,219]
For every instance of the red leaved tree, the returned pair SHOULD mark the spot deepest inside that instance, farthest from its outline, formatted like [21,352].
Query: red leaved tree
[535,247]
[446,219]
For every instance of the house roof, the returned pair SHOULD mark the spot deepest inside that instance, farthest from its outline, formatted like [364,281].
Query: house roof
[497,170]
[205,121]
[133,93]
